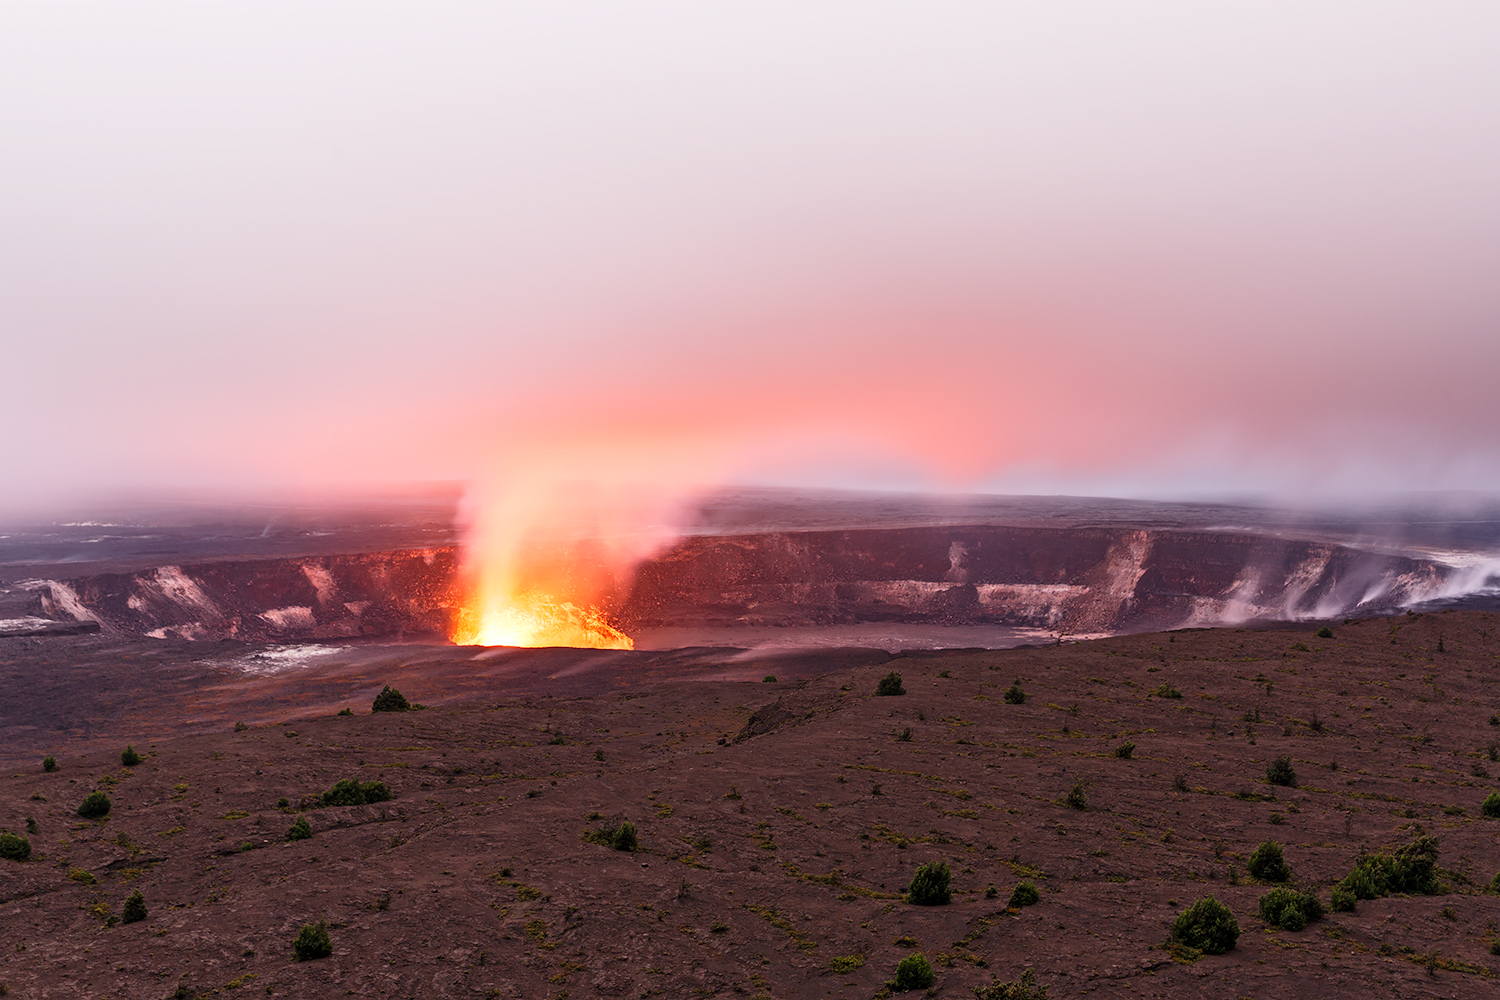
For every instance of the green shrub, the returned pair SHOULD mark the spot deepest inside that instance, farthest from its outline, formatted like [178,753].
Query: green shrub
[1208,926]
[1343,900]
[619,835]
[134,909]
[312,942]
[1289,909]
[890,684]
[349,792]
[14,847]
[1125,751]
[1280,772]
[913,972]
[1023,989]
[1411,870]
[768,679]
[929,886]
[1024,894]
[1495,883]
[129,757]
[390,700]
[49,763]
[1014,695]
[1324,633]
[300,830]
[1491,805]
[1267,864]
[845,963]
[94,805]
[1077,797]
[1166,690]
[346,711]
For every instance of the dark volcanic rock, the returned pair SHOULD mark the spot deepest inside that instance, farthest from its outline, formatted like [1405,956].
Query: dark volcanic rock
[1076,580]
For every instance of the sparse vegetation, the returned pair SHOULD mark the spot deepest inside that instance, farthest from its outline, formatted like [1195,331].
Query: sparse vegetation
[1077,797]
[1289,909]
[346,711]
[299,830]
[1491,805]
[1166,690]
[889,685]
[1014,695]
[619,835]
[14,847]
[312,942]
[129,757]
[913,972]
[1207,926]
[1411,869]
[134,909]
[1267,864]
[1025,988]
[930,885]
[1024,894]
[94,805]
[49,763]
[350,792]
[1324,633]
[1125,750]
[390,700]
[1281,772]
[845,963]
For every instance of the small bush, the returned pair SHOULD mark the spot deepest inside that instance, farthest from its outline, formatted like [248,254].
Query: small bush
[1324,633]
[49,764]
[1208,926]
[1014,695]
[14,847]
[845,963]
[1267,864]
[346,711]
[1024,988]
[1289,909]
[1024,894]
[913,972]
[1280,772]
[768,679]
[904,736]
[1167,691]
[1491,805]
[349,792]
[1125,750]
[300,830]
[390,700]
[1411,869]
[930,885]
[312,942]
[620,835]
[890,684]
[134,909]
[1343,900]
[129,757]
[1078,797]
[94,805]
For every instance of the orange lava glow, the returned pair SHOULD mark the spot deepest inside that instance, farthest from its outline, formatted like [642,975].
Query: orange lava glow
[535,619]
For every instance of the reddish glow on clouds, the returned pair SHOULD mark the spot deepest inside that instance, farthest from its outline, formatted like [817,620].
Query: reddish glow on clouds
[1151,249]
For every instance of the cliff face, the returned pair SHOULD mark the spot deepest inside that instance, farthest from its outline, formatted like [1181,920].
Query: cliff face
[1075,580]
[324,597]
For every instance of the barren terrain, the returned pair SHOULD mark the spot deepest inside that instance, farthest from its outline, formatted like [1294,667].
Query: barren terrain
[770,859]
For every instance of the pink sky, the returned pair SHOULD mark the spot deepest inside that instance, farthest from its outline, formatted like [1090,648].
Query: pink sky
[1143,249]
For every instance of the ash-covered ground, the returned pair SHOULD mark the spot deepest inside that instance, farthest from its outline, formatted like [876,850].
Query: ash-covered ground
[779,821]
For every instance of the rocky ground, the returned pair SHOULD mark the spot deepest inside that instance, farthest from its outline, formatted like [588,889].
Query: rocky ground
[779,822]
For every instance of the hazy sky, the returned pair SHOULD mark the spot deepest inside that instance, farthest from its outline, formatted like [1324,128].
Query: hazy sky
[1134,248]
